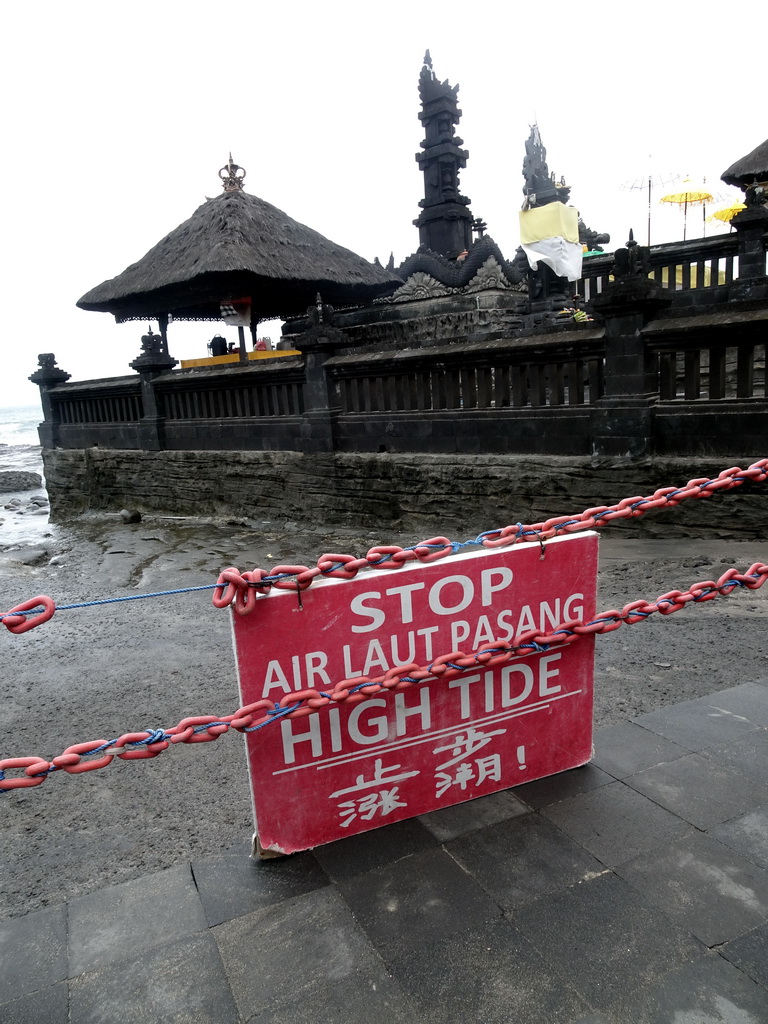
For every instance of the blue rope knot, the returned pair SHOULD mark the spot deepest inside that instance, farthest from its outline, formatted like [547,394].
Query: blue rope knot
[538,648]
[155,736]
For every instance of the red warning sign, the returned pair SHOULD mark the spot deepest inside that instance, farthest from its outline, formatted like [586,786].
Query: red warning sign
[350,767]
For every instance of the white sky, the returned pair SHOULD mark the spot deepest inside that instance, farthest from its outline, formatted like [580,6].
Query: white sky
[117,118]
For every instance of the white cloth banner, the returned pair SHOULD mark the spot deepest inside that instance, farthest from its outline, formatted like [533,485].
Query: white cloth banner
[562,256]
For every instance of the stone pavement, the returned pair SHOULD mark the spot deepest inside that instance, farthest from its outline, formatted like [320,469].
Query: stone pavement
[631,891]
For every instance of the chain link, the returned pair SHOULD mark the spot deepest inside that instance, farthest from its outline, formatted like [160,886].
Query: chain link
[87,757]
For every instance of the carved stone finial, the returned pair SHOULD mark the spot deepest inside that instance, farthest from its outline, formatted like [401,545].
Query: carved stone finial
[232,176]
[150,342]
[153,358]
[431,89]
[445,221]
[631,261]
[540,186]
[48,373]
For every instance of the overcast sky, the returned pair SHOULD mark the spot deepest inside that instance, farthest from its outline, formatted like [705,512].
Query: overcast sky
[117,118]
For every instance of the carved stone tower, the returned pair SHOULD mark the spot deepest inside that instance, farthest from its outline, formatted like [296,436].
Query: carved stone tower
[445,223]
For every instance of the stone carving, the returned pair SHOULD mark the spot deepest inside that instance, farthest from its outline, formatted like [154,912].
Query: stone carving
[320,313]
[420,286]
[491,275]
[755,194]
[593,240]
[483,267]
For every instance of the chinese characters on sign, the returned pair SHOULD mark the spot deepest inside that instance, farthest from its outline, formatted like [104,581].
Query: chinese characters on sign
[352,767]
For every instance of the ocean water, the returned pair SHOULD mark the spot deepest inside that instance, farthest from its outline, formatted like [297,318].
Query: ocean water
[20,450]
[19,443]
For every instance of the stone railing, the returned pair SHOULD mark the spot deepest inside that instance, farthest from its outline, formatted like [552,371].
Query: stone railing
[707,266]
[661,369]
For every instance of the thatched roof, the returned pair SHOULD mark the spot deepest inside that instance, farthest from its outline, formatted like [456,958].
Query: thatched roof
[237,246]
[754,165]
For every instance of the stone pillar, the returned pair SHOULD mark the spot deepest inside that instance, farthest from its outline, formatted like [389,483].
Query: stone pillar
[152,362]
[47,378]
[317,344]
[622,420]
[751,226]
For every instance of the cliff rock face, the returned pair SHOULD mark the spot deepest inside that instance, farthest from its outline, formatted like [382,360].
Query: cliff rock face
[418,494]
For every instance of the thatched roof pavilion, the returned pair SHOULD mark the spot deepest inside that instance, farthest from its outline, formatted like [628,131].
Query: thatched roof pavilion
[238,246]
[750,168]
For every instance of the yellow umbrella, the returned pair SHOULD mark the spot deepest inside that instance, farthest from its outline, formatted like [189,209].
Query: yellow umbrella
[727,213]
[689,196]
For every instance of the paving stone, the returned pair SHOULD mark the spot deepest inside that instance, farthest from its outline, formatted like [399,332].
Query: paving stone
[357,854]
[750,954]
[232,886]
[748,835]
[626,749]
[294,950]
[518,860]
[422,898]
[562,786]
[118,922]
[703,886]
[33,952]
[615,823]
[178,982]
[373,997]
[748,755]
[451,822]
[748,701]
[491,976]
[47,1006]
[699,790]
[707,991]
[696,723]
[604,940]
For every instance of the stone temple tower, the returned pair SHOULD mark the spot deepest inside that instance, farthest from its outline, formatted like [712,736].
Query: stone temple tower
[445,223]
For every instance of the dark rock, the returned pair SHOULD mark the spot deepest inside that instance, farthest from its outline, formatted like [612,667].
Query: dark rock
[16,480]
[130,516]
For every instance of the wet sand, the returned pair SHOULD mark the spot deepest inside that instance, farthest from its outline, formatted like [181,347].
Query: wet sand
[97,672]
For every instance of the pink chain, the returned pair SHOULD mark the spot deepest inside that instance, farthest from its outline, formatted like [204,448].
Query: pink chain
[206,728]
